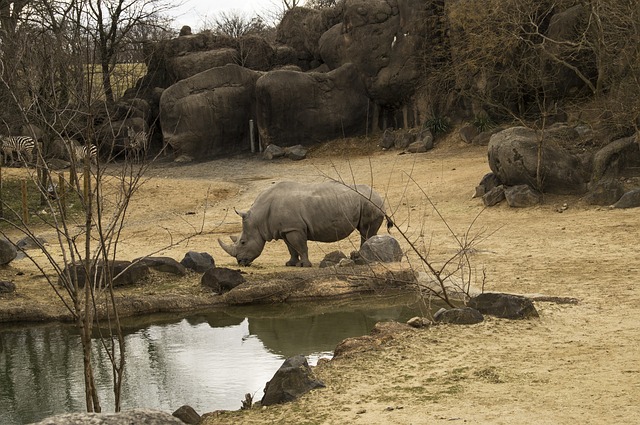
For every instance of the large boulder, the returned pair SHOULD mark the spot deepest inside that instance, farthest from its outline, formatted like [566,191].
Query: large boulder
[301,29]
[381,248]
[125,273]
[208,114]
[507,306]
[513,158]
[385,41]
[8,251]
[293,379]
[303,108]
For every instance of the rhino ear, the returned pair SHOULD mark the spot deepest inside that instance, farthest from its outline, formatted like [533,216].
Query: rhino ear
[242,214]
[234,238]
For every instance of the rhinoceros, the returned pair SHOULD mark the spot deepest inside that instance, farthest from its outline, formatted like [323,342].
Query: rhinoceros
[297,213]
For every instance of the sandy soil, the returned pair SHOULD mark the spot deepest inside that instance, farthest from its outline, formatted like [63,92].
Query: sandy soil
[577,363]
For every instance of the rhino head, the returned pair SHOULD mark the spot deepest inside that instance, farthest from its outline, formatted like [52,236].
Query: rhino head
[246,247]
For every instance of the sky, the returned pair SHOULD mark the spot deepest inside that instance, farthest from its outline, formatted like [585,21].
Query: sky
[195,12]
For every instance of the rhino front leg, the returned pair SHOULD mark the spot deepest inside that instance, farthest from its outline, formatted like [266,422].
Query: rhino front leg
[297,244]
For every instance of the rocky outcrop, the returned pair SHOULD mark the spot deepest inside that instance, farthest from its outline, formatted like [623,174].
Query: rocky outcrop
[304,108]
[514,156]
[208,114]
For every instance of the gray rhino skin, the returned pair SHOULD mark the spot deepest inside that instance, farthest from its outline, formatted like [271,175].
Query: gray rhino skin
[297,213]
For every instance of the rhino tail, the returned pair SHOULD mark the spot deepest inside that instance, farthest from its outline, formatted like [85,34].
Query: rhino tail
[390,222]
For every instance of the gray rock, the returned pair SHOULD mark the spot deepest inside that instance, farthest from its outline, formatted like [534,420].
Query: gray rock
[404,140]
[507,306]
[163,264]
[129,417]
[295,153]
[8,251]
[30,243]
[293,379]
[513,156]
[467,133]
[273,151]
[458,316]
[388,139]
[7,287]
[488,182]
[127,273]
[521,196]
[221,279]
[382,248]
[332,259]
[494,196]
[188,415]
[198,261]
[605,192]
[630,199]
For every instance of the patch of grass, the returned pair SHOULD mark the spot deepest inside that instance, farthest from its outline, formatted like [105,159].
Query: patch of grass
[438,125]
[12,203]
[489,374]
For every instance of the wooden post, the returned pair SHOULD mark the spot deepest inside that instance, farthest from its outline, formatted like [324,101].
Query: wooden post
[73,177]
[43,180]
[62,190]
[85,191]
[25,207]
[1,211]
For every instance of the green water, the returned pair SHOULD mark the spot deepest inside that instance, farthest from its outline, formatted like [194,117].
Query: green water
[206,360]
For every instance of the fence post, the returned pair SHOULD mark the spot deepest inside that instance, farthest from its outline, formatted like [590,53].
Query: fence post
[25,207]
[62,191]
[1,211]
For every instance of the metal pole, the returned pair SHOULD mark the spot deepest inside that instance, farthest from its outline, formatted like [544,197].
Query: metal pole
[252,137]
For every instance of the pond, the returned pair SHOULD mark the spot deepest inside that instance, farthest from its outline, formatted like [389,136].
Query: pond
[208,360]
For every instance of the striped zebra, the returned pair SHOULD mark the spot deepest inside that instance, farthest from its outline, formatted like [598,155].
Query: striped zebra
[23,146]
[137,143]
[81,152]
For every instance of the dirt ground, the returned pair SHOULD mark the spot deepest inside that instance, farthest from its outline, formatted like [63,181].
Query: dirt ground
[577,363]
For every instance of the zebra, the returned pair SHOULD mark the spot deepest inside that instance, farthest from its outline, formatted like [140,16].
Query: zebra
[24,146]
[137,142]
[80,152]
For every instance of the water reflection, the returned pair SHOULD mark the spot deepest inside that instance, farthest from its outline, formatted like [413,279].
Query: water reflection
[208,360]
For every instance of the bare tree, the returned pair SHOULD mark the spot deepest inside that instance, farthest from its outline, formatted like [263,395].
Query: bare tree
[236,25]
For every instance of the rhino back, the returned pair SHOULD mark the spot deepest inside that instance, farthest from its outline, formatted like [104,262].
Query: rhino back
[325,212]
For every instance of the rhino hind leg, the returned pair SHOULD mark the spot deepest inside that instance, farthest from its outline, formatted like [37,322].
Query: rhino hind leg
[297,245]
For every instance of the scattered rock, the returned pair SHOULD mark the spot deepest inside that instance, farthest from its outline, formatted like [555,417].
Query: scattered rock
[163,264]
[458,316]
[222,279]
[419,322]
[521,196]
[293,379]
[7,287]
[467,133]
[8,251]
[605,192]
[382,248]
[630,199]
[488,182]
[507,306]
[295,153]
[127,272]
[187,414]
[272,152]
[30,243]
[494,196]
[198,261]
[332,259]
[136,416]
[388,139]
[183,159]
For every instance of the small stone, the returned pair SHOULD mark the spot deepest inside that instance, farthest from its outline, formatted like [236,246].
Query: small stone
[361,411]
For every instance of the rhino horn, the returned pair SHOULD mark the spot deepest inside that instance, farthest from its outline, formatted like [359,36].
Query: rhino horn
[229,249]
